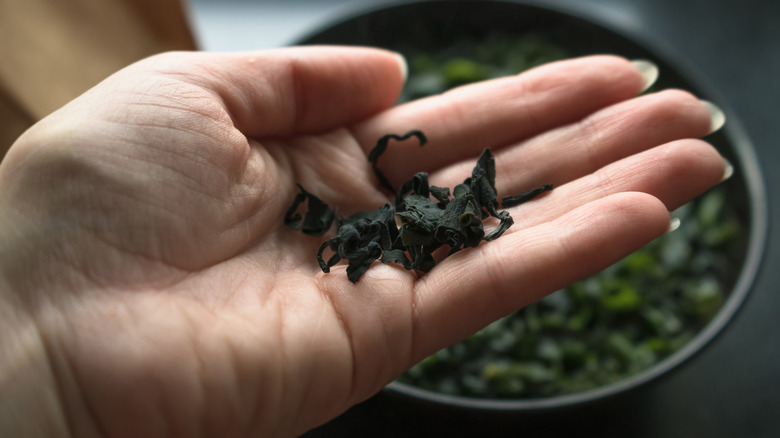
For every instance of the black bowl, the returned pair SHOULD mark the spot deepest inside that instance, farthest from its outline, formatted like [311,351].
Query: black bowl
[432,26]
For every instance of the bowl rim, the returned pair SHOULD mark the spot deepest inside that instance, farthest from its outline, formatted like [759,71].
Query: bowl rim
[747,166]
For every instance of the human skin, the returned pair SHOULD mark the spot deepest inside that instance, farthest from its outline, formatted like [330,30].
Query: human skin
[148,286]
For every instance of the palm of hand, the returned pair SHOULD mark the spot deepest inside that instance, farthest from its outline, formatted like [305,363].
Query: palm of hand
[185,297]
[191,294]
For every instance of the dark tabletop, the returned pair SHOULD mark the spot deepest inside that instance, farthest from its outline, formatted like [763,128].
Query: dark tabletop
[732,387]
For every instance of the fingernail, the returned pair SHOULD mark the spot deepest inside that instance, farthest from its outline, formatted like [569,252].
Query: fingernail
[674,223]
[648,70]
[728,170]
[717,118]
[402,65]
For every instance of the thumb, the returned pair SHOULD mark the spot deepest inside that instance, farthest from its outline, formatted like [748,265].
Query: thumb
[300,90]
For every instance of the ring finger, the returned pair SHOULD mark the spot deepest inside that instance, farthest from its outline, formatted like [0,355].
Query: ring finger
[674,173]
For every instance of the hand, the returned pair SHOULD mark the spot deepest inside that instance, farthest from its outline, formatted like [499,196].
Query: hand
[152,286]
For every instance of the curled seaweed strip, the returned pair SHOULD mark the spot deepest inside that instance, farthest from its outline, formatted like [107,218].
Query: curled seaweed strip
[381,147]
[512,201]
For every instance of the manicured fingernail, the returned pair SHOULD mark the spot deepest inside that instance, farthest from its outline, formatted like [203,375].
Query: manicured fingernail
[728,170]
[648,70]
[403,65]
[717,118]
[674,223]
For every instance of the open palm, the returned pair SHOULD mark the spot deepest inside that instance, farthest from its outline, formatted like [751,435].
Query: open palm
[145,234]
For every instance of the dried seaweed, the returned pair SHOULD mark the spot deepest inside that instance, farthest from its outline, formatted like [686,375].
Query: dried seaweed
[512,201]
[430,217]
[319,215]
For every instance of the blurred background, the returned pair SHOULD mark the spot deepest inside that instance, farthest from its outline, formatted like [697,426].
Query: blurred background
[53,50]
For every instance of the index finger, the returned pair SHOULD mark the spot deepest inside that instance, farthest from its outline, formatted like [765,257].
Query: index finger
[460,123]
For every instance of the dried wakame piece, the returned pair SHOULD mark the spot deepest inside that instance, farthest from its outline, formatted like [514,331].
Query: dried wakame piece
[418,185]
[461,224]
[318,218]
[482,185]
[381,146]
[505,221]
[361,239]
[442,194]
[511,201]
[419,217]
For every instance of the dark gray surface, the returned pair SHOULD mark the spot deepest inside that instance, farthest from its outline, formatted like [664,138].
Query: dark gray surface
[730,389]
